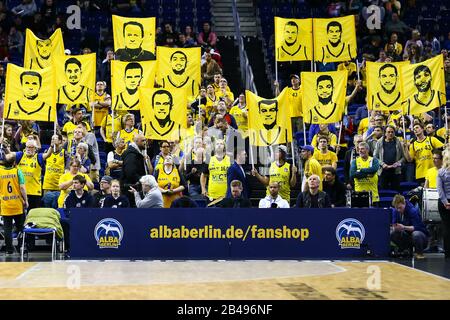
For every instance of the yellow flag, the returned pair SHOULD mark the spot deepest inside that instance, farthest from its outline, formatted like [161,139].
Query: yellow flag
[30,94]
[384,85]
[324,96]
[423,85]
[293,39]
[269,121]
[134,38]
[126,78]
[163,113]
[334,39]
[179,68]
[38,52]
[75,78]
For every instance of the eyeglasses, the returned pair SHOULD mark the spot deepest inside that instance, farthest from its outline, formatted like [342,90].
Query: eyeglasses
[165,146]
[437,158]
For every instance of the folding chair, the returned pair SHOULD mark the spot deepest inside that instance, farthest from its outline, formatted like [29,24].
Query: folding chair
[39,232]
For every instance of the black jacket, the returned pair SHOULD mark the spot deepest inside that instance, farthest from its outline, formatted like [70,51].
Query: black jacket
[235,203]
[304,200]
[133,167]
[336,193]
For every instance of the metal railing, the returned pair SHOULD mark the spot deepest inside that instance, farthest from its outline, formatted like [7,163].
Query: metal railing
[246,70]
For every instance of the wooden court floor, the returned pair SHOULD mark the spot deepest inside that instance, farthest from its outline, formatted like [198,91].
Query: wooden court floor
[180,280]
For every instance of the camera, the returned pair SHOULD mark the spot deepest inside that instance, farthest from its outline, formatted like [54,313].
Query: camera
[274,205]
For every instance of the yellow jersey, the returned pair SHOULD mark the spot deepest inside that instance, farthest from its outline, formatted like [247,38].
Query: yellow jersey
[312,166]
[54,168]
[11,202]
[332,140]
[64,193]
[220,94]
[369,183]
[325,159]
[282,175]
[421,152]
[295,101]
[107,126]
[240,115]
[431,177]
[69,128]
[32,170]
[168,181]
[100,113]
[441,132]
[217,182]
[128,136]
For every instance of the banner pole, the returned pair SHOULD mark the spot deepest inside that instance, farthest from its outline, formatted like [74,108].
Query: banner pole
[277,88]
[446,124]
[185,155]
[54,133]
[112,125]
[404,128]
[340,132]
[293,152]
[251,155]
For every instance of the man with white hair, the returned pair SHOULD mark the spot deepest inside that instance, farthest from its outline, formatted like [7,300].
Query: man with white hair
[31,163]
[313,197]
[152,194]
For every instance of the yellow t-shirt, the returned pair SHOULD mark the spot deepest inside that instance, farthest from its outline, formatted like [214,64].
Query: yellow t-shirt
[69,128]
[282,175]
[431,177]
[128,136]
[54,168]
[332,140]
[312,166]
[32,171]
[107,126]
[241,120]
[421,152]
[217,182]
[220,94]
[100,113]
[64,193]
[363,126]
[168,181]
[10,196]
[295,101]
[369,183]
[325,159]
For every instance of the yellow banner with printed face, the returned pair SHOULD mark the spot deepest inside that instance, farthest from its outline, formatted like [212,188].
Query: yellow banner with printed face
[323,96]
[384,90]
[39,52]
[163,113]
[423,85]
[269,120]
[126,78]
[293,39]
[179,68]
[30,94]
[75,78]
[334,39]
[134,38]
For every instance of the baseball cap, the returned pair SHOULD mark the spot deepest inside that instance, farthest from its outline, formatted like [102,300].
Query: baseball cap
[307,148]
[107,179]
[294,76]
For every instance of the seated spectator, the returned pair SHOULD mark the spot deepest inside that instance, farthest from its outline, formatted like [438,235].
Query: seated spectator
[171,183]
[224,93]
[273,200]
[66,181]
[105,190]
[324,156]
[184,202]
[325,132]
[82,156]
[115,199]
[407,228]
[313,197]
[335,189]
[78,197]
[207,38]
[114,159]
[236,199]
[152,194]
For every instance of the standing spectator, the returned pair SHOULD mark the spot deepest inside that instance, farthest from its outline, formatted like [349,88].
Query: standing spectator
[443,187]
[135,165]
[389,152]
[107,132]
[407,227]
[129,131]
[69,126]
[101,103]
[54,164]
[351,155]
[235,199]
[105,69]
[66,181]
[13,202]
[222,110]
[240,113]
[114,159]
[78,197]
[91,141]
[237,172]
[415,40]
[158,160]
[313,197]
[333,187]
[397,48]
[364,171]
[152,194]
[105,190]
[115,199]
[15,42]
[325,132]
[82,156]
[324,156]
[273,200]
[170,182]
[207,37]
[311,166]
[194,169]
[432,173]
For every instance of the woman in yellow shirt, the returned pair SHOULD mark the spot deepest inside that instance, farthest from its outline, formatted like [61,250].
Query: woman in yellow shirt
[66,181]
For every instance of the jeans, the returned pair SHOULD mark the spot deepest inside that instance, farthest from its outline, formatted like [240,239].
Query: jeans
[195,190]
[8,227]
[404,240]
[390,180]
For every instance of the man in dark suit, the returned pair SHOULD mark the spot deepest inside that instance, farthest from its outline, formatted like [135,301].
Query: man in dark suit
[236,172]
[236,199]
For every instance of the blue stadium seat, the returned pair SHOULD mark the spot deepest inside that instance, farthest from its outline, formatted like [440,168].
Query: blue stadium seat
[407,186]
[387,193]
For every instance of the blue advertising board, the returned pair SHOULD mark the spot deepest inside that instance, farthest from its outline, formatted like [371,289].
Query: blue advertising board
[204,233]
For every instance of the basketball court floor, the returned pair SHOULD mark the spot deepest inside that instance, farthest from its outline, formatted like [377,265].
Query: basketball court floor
[269,280]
